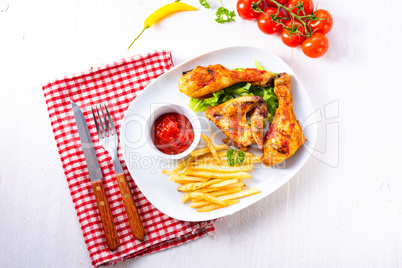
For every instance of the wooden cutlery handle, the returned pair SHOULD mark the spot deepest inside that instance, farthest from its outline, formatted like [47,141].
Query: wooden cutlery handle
[133,216]
[109,228]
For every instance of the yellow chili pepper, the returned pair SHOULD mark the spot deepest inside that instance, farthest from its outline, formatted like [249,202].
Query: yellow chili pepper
[163,12]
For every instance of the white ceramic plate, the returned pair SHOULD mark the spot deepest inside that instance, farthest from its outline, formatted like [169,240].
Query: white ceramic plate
[146,166]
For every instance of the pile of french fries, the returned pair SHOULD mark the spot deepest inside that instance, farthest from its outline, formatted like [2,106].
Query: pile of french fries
[208,181]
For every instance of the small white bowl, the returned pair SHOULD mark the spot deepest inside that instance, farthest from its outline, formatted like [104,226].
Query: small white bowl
[161,109]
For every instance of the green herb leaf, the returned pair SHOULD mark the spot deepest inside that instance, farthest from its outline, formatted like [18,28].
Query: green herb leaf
[240,157]
[197,105]
[205,4]
[224,15]
[230,155]
[235,157]
[240,89]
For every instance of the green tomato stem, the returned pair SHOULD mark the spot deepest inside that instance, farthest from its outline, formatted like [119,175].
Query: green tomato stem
[293,15]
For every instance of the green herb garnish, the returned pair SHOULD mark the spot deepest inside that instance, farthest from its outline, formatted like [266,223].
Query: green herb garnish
[224,15]
[235,157]
[205,4]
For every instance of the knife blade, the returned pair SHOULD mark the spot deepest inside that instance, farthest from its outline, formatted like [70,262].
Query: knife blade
[95,174]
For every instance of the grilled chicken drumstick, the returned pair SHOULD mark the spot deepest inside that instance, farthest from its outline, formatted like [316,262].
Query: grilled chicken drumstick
[202,82]
[285,135]
[230,117]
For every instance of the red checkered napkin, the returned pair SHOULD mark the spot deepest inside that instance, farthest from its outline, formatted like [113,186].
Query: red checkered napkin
[117,85]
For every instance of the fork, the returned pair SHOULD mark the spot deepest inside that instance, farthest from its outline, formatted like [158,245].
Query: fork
[107,135]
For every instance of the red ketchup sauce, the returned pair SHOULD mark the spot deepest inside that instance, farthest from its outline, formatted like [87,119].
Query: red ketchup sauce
[172,133]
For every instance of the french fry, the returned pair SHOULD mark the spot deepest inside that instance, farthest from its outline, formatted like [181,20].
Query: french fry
[207,190]
[182,182]
[221,153]
[186,164]
[211,148]
[170,172]
[217,175]
[207,183]
[185,198]
[204,203]
[240,194]
[177,178]
[212,167]
[237,184]
[188,187]
[212,189]
[224,183]
[197,200]
[199,204]
[210,159]
[179,167]
[209,198]
[216,206]
[226,191]
[200,152]
[182,164]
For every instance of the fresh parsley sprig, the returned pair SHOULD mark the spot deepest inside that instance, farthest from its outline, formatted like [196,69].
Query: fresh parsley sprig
[205,4]
[235,157]
[223,14]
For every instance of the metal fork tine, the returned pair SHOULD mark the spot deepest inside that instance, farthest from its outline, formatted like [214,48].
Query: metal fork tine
[110,120]
[96,123]
[106,123]
[101,123]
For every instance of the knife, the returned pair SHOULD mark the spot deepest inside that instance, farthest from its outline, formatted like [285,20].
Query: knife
[95,174]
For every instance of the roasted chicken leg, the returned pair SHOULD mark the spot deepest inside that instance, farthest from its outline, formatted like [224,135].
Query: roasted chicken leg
[285,135]
[230,117]
[202,82]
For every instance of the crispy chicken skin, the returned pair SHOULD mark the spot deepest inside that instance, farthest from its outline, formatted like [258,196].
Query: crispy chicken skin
[285,135]
[202,82]
[230,117]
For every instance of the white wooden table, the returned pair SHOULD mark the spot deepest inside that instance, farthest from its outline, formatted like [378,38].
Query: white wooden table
[343,209]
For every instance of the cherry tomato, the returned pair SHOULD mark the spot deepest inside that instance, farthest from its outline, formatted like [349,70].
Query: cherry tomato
[322,26]
[308,6]
[316,45]
[292,40]
[245,10]
[265,22]
[272,4]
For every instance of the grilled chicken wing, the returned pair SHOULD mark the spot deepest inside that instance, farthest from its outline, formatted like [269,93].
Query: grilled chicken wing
[285,135]
[230,117]
[202,82]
